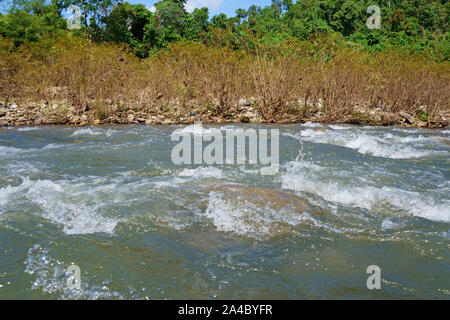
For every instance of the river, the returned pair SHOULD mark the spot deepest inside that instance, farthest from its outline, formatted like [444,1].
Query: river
[110,201]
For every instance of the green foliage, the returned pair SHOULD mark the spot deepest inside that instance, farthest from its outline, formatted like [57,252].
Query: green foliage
[29,21]
[126,24]
[304,20]
[196,24]
[415,26]
[424,116]
[219,21]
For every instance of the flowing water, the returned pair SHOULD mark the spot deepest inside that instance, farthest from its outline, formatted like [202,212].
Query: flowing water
[109,200]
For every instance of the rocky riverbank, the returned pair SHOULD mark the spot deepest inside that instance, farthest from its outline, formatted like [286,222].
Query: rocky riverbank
[246,111]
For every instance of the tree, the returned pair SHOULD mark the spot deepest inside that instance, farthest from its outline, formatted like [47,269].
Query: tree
[304,19]
[170,14]
[241,13]
[196,23]
[350,16]
[180,3]
[166,24]
[94,13]
[30,20]
[282,5]
[220,21]
[126,23]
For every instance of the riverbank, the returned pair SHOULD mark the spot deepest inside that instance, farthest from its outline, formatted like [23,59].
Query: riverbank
[75,82]
[247,111]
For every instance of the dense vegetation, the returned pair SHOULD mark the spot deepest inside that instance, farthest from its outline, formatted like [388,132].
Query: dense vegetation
[415,25]
[310,60]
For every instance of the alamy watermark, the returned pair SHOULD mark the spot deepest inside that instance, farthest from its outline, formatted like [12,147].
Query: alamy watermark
[74,277]
[211,146]
[374,21]
[74,21]
[374,280]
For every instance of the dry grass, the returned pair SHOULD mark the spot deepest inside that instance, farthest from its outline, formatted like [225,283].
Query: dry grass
[108,79]
[10,66]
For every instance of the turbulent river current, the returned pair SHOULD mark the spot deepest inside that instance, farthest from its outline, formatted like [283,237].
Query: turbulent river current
[110,201]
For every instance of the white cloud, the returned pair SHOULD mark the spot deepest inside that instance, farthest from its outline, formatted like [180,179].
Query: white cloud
[152,9]
[213,5]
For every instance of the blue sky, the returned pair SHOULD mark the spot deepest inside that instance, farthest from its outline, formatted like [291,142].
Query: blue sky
[215,6]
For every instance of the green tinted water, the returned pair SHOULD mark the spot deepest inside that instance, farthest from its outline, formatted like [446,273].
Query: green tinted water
[109,200]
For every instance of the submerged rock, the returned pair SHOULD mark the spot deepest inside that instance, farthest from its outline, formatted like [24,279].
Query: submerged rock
[265,197]
[258,213]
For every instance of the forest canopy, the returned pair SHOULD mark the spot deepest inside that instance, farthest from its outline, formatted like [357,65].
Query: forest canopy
[413,25]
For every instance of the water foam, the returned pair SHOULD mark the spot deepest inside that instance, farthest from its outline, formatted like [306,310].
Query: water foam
[8,151]
[59,205]
[50,277]
[7,193]
[386,145]
[302,176]
[26,129]
[312,125]
[194,129]
[244,218]
[93,132]
[199,130]
[203,172]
